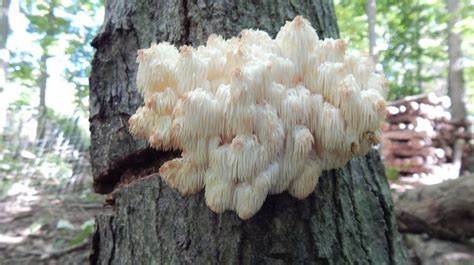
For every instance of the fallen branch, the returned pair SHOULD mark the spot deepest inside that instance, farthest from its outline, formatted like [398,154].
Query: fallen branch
[445,210]
[56,254]
[59,253]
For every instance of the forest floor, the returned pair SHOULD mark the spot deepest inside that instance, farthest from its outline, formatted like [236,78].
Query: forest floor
[56,228]
[47,228]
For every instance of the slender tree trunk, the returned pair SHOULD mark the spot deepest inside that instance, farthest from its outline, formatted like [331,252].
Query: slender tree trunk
[455,72]
[417,49]
[42,82]
[348,219]
[371,11]
[4,32]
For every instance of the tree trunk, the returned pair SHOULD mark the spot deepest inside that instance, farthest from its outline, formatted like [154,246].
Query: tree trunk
[455,73]
[42,82]
[418,50]
[348,219]
[371,11]
[4,32]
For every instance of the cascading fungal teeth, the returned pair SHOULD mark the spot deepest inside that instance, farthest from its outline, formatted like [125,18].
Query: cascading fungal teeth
[254,115]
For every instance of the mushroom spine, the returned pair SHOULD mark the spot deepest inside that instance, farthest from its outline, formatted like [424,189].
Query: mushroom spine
[254,115]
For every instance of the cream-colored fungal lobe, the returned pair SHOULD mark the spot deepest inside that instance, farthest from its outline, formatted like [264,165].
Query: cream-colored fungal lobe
[254,115]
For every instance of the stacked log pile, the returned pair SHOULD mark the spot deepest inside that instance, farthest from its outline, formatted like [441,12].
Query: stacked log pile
[419,136]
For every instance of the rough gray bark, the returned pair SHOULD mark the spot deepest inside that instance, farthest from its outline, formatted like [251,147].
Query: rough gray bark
[455,73]
[349,218]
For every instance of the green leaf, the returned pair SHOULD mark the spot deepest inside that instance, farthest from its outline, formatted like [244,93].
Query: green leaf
[87,228]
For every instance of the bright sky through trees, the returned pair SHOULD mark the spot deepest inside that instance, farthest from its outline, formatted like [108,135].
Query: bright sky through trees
[60,93]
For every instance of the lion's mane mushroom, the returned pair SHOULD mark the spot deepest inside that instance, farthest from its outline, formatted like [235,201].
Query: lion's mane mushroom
[254,115]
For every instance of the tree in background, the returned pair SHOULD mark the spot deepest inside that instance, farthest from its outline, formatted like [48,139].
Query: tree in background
[61,29]
[353,22]
[413,32]
[371,11]
[48,26]
[410,38]
[4,32]
[80,52]
[455,71]
[57,26]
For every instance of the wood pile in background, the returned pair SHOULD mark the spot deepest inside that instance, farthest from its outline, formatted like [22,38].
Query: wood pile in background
[419,136]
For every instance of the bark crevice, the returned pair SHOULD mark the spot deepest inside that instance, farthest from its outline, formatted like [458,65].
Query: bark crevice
[387,207]
[360,229]
[186,23]
[113,235]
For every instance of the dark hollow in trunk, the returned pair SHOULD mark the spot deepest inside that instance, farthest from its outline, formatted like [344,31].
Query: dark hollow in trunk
[348,219]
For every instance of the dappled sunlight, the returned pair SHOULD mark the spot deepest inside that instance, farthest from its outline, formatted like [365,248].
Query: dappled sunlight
[442,173]
[5,239]
[23,191]
[459,256]
[8,240]
[41,225]
[20,197]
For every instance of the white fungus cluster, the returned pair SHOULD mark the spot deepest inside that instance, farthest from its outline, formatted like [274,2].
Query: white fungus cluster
[254,115]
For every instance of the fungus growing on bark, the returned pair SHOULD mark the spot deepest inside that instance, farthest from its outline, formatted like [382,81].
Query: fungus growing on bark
[254,115]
